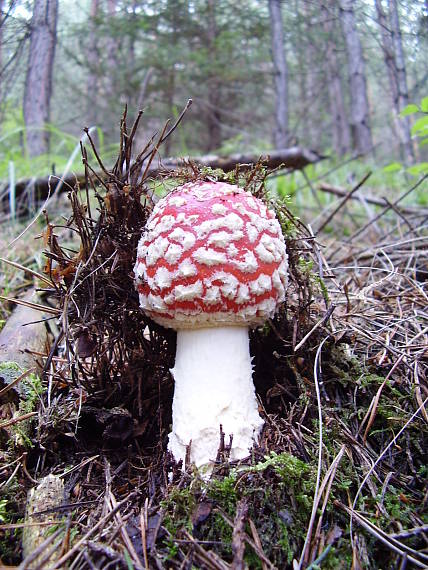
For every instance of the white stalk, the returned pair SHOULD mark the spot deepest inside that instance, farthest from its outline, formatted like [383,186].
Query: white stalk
[213,387]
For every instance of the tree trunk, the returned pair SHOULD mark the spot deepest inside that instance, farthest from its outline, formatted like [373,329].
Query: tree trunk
[92,85]
[360,123]
[38,84]
[170,79]
[214,94]
[388,50]
[1,49]
[401,79]
[312,102]
[341,135]
[303,122]
[281,134]
[112,45]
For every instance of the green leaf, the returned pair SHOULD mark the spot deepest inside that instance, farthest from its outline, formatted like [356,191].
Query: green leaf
[420,126]
[424,105]
[420,168]
[409,110]
[423,142]
[393,167]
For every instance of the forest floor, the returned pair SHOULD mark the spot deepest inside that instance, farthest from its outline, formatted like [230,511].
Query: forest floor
[339,477]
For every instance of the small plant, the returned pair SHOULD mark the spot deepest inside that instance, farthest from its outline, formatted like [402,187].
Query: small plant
[31,390]
[419,130]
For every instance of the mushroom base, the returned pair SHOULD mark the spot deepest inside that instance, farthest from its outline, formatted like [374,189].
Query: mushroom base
[213,388]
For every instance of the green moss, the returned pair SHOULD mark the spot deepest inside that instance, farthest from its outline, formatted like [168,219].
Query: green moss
[31,389]
[10,370]
[284,542]
[178,509]
[9,539]
[224,492]
[323,287]
[306,266]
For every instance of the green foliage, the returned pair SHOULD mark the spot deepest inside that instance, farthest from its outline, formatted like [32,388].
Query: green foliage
[178,508]
[3,511]
[424,105]
[8,537]
[409,110]
[13,149]
[420,127]
[285,186]
[393,167]
[419,130]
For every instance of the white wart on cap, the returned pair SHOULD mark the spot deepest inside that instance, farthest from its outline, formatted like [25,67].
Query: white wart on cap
[211,263]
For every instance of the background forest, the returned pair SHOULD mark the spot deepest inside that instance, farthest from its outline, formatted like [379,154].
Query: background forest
[329,75]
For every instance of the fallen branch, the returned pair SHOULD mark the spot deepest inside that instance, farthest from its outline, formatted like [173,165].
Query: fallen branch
[342,192]
[294,158]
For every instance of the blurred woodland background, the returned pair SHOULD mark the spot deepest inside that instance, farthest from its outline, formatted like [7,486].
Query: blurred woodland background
[329,75]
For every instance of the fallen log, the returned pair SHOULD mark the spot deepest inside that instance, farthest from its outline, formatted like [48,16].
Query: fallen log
[294,158]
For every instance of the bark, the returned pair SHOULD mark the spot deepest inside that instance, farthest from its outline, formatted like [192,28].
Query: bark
[130,89]
[42,513]
[301,78]
[341,134]
[1,49]
[281,134]
[360,122]
[312,106]
[214,94]
[112,46]
[38,84]
[170,79]
[294,158]
[111,82]
[388,50]
[401,79]
[93,61]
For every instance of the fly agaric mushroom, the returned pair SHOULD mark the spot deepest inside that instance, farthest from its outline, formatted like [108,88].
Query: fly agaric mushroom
[210,264]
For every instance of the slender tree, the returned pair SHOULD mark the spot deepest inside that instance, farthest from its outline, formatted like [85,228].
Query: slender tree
[304,134]
[214,94]
[281,134]
[313,91]
[341,135]
[387,50]
[174,9]
[402,94]
[93,63]
[1,47]
[112,46]
[38,84]
[360,122]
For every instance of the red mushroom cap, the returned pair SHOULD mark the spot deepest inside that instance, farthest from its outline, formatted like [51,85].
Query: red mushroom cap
[211,255]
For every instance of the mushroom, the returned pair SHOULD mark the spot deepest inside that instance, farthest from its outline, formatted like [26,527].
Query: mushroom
[212,263]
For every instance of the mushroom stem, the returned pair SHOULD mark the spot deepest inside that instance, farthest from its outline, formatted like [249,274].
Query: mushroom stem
[213,387]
